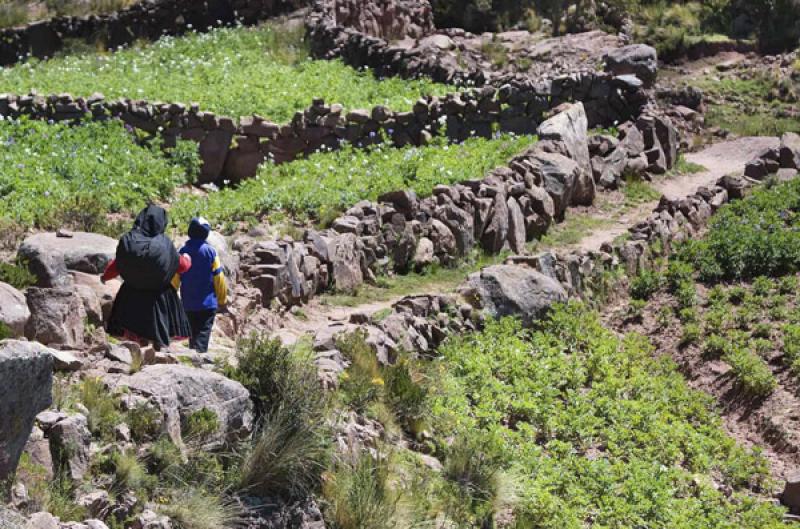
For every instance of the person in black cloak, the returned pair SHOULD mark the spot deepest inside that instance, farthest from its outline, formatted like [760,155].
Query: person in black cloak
[147,307]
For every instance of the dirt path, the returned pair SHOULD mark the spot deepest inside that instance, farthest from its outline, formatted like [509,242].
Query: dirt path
[719,159]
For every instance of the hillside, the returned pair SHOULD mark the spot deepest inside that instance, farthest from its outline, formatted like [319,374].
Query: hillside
[491,265]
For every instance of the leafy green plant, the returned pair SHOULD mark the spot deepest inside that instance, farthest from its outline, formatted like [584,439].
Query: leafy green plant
[359,494]
[645,284]
[17,275]
[201,424]
[751,372]
[691,334]
[239,71]
[77,175]
[715,346]
[328,182]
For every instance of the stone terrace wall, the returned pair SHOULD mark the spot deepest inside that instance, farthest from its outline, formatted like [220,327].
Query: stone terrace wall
[145,20]
[400,233]
[386,19]
[418,324]
[474,112]
[608,100]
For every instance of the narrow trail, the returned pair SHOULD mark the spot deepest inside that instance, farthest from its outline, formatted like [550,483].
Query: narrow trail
[719,159]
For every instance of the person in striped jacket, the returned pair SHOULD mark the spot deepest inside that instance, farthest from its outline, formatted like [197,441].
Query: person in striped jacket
[203,288]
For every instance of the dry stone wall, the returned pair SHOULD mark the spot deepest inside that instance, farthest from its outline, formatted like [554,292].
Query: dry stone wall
[386,19]
[148,20]
[504,210]
[526,285]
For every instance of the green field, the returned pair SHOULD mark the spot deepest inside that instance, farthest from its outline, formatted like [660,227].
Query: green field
[329,182]
[59,175]
[236,72]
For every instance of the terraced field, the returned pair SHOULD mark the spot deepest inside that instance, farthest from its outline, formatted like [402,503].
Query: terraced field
[263,70]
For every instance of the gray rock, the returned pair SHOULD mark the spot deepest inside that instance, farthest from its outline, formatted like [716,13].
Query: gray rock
[567,132]
[42,520]
[150,520]
[66,361]
[516,227]
[510,290]
[14,311]
[461,225]
[640,60]
[178,391]
[791,492]
[96,502]
[424,254]
[496,233]
[790,151]
[346,260]
[57,317]
[49,256]
[69,446]
[26,381]
[559,175]
[669,139]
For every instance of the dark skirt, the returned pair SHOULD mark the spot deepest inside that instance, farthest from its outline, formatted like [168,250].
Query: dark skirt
[150,315]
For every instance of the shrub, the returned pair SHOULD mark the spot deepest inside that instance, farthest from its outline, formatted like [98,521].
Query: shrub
[751,237]
[644,285]
[104,407]
[5,331]
[358,492]
[163,455]
[751,372]
[691,334]
[791,344]
[715,347]
[406,393]
[145,422]
[678,274]
[737,294]
[362,383]
[762,286]
[686,295]
[788,285]
[17,275]
[201,424]
[286,457]
[762,330]
[195,508]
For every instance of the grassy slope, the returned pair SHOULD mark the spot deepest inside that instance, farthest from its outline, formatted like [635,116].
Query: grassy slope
[264,70]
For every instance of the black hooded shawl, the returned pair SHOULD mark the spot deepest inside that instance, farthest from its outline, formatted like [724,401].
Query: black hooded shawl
[146,257]
[147,305]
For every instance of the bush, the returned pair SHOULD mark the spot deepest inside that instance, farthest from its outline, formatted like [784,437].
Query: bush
[753,237]
[195,508]
[362,383]
[145,422]
[406,394]
[104,407]
[751,372]
[201,424]
[715,347]
[691,334]
[358,493]
[678,274]
[645,284]
[17,275]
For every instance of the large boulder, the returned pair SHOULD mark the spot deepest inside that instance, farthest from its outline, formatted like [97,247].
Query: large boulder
[178,391]
[57,317]
[14,311]
[345,255]
[559,175]
[512,290]
[640,60]
[566,133]
[50,257]
[26,382]
[790,151]
[69,446]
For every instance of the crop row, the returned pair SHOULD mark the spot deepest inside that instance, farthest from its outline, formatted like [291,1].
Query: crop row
[263,70]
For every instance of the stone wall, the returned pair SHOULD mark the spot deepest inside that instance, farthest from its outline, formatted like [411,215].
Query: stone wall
[418,324]
[608,99]
[148,20]
[505,209]
[474,112]
[386,19]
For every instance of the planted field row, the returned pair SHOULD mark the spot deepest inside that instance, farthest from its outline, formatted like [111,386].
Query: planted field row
[327,183]
[263,70]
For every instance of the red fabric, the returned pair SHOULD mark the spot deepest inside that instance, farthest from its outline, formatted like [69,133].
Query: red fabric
[111,271]
[184,264]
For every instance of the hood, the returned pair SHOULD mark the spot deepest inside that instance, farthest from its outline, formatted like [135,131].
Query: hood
[151,221]
[199,228]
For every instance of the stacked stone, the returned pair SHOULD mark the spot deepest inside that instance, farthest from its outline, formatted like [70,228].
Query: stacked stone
[386,19]
[143,20]
[783,162]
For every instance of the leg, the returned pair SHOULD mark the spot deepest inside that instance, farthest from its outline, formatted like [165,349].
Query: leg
[195,321]
[203,334]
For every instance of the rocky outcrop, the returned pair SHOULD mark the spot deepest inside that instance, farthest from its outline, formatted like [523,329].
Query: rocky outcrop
[50,256]
[782,161]
[178,391]
[57,317]
[640,60]
[14,311]
[69,446]
[508,290]
[26,379]
[566,133]
[385,19]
